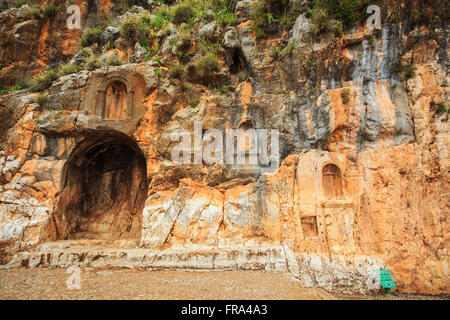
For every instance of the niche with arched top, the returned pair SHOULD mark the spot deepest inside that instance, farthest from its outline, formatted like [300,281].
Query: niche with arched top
[115,101]
[248,140]
[332,181]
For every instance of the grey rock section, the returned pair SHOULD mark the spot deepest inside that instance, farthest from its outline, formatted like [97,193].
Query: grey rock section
[138,54]
[207,31]
[110,34]
[160,220]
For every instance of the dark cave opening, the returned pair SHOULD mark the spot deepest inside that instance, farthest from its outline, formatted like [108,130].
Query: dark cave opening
[237,63]
[104,190]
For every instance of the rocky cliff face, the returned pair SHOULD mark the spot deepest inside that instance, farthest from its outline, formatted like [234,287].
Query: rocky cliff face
[362,117]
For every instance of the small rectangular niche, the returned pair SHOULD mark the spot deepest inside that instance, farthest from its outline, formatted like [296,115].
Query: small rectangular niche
[309,226]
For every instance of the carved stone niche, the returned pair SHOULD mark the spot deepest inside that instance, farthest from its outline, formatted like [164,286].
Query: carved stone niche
[115,99]
[332,181]
[247,143]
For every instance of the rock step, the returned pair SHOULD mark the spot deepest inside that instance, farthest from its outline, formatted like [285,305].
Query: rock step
[212,258]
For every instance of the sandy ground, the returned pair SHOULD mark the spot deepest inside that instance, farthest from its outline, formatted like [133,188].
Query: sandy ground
[48,283]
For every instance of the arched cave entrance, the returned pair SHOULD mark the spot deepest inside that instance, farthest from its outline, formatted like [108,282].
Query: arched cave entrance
[104,189]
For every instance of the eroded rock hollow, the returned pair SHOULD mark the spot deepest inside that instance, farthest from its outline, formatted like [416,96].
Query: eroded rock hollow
[87,119]
[103,190]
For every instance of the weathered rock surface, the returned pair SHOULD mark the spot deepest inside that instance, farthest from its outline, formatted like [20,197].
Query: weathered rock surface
[363,182]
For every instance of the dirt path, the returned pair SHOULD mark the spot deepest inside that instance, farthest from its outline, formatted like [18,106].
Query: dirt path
[40,283]
[133,284]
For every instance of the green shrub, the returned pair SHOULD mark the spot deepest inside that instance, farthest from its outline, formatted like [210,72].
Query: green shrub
[134,29]
[207,65]
[162,17]
[41,100]
[176,71]
[130,30]
[33,12]
[406,72]
[224,90]
[184,42]
[406,87]
[346,11]
[409,72]
[93,63]
[91,36]
[157,59]
[205,46]
[195,102]
[68,69]
[113,61]
[274,52]
[270,16]
[23,84]
[182,13]
[345,95]
[289,48]
[224,17]
[50,11]
[441,108]
[46,79]
[20,3]
[320,20]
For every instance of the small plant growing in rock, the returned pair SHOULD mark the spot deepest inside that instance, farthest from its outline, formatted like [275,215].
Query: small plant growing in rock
[409,72]
[440,108]
[182,13]
[320,20]
[289,48]
[93,63]
[406,88]
[22,85]
[20,3]
[157,59]
[406,72]
[224,90]
[195,102]
[113,61]
[45,80]
[224,17]
[345,95]
[176,71]
[207,65]
[41,100]
[91,36]
[274,52]
[68,69]
[50,10]
[130,30]
[33,13]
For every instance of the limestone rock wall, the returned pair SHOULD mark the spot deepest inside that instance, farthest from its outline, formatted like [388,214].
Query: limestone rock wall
[363,182]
